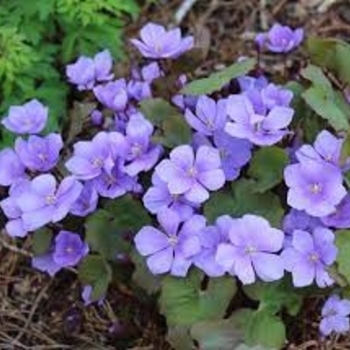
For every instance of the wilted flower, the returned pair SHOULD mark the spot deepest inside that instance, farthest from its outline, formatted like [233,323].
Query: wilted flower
[156,42]
[39,153]
[280,38]
[309,255]
[335,316]
[251,250]
[170,249]
[192,174]
[29,118]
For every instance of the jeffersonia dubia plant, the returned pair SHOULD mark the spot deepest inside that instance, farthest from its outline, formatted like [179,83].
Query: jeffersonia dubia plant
[224,183]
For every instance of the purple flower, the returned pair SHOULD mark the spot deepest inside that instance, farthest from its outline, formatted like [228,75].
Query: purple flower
[86,296]
[11,167]
[280,38]
[315,187]
[86,71]
[69,249]
[192,174]
[45,263]
[211,237]
[335,316]
[87,202]
[96,117]
[209,117]
[234,153]
[156,42]
[340,218]
[158,198]
[251,250]
[170,249]
[92,158]
[326,148]
[141,154]
[299,220]
[113,95]
[259,129]
[115,183]
[246,82]
[29,118]
[46,202]
[15,227]
[39,153]
[274,95]
[309,255]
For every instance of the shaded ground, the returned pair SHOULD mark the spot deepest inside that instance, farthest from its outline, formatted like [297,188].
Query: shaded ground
[37,312]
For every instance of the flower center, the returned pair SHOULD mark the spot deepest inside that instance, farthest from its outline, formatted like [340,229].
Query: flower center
[51,199]
[69,250]
[136,149]
[97,162]
[315,188]
[42,157]
[173,240]
[250,249]
[314,257]
[192,172]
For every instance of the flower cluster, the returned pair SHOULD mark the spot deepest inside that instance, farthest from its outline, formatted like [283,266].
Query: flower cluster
[49,181]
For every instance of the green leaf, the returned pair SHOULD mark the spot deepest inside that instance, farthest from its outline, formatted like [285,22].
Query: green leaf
[244,200]
[345,149]
[184,303]
[142,276]
[104,236]
[342,241]
[217,335]
[217,80]
[125,211]
[267,166]
[332,54]
[41,241]
[326,107]
[275,295]
[156,110]
[316,76]
[174,130]
[96,272]
[179,338]
[266,330]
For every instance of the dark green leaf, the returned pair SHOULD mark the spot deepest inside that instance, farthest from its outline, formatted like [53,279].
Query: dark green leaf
[342,242]
[244,200]
[267,166]
[97,273]
[41,241]
[217,80]
[316,76]
[183,302]
[179,338]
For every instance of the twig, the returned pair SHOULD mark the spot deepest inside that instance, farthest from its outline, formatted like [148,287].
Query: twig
[14,248]
[182,11]
[263,15]
[32,312]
